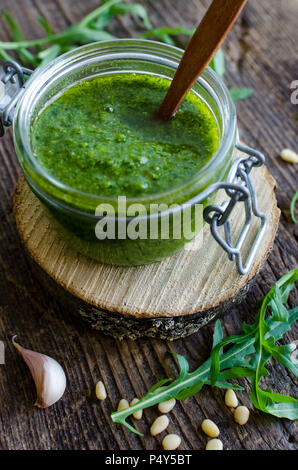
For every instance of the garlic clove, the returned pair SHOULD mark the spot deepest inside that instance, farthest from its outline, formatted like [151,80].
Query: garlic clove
[47,373]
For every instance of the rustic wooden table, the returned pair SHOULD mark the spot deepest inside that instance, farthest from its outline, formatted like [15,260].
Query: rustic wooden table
[261,52]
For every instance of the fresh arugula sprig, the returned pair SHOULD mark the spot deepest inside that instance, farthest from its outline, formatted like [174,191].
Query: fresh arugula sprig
[218,65]
[91,28]
[247,357]
[272,311]
[238,94]
[292,207]
[166,35]
[88,29]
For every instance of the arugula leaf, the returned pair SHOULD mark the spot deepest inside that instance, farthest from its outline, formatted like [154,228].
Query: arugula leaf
[217,334]
[218,65]
[292,207]
[248,357]
[121,9]
[283,355]
[265,348]
[135,9]
[88,29]
[91,28]
[238,94]
[4,56]
[159,385]
[46,55]
[45,26]
[95,14]
[284,410]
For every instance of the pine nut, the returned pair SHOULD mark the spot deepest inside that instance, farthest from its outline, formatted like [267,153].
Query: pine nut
[289,156]
[100,391]
[160,424]
[231,399]
[137,414]
[210,428]
[214,444]
[241,415]
[171,442]
[123,405]
[166,406]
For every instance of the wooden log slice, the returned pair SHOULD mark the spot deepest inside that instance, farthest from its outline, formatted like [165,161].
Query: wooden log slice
[169,299]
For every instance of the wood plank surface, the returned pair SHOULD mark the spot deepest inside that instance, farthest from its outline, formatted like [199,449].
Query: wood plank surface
[179,286]
[262,54]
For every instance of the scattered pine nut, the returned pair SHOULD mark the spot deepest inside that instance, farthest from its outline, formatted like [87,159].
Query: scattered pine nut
[100,391]
[214,444]
[231,399]
[123,405]
[166,406]
[137,414]
[171,442]
[210,428]
[160,424]
[289,156]
[241,415]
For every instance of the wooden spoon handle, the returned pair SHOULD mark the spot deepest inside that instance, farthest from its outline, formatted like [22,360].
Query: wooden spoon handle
[206,40]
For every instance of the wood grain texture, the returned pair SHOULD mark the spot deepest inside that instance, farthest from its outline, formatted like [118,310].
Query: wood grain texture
[261,54]
[192,284]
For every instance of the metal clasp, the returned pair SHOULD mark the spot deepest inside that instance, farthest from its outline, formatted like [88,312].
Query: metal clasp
[239,187]
[12,80]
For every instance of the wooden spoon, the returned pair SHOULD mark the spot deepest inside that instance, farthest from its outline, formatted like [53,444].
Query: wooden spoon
[206,40]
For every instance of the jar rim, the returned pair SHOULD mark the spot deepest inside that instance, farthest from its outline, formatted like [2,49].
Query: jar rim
[126,48]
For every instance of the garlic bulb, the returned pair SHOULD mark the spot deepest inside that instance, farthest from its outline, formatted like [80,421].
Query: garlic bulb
[48,375]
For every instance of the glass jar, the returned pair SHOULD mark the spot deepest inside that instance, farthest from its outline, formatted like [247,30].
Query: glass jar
[73,212]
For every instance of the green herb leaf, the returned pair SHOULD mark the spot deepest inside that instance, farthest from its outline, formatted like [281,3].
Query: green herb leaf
[133,8]
[283,355]
[4,56]
[46,55]
[88,29]
[165,34]
[91,29]
[190,391]
[248,357]
[101,10]
[17,35]
[284,410]
[45,26]
[121,9]
[218,63]
[292,207]
[238,94]
[158,385]
[217,334]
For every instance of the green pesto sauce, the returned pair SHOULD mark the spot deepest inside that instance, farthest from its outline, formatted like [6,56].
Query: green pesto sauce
[100,137]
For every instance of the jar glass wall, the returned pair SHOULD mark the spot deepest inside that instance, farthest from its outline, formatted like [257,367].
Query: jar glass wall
[73,212]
